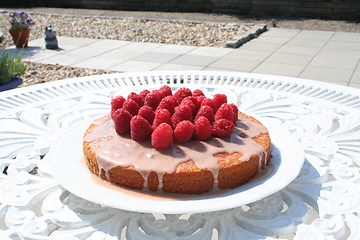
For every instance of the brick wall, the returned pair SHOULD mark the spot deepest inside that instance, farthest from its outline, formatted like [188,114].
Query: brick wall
[329,9]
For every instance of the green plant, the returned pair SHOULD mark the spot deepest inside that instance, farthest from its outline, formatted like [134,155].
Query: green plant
[10,67]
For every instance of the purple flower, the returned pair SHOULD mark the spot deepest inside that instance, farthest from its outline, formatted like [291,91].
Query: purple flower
[29,21]
[273,22]
[20,21]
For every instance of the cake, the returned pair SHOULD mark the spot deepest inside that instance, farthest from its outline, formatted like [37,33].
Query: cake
[145,150]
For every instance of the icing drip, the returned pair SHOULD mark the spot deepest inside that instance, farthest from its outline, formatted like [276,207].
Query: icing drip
[118,150]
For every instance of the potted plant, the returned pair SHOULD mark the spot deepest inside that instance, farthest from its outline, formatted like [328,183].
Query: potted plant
[10,70]
[20,28]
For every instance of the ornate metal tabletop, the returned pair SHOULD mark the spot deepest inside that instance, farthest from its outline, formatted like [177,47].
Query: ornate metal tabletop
[323,202]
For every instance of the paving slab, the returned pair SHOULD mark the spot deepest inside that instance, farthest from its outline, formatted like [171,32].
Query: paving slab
[64,59]
[177,49]
[288,70]
[178,67]
[157,57]
[261,46]
[303,50]
[210,51]
[290,58]
[315,35]
[195,60]
[281,32]
[134,66]
[355,79]
[273,39]
[307,42]
[343,53]
[248,54]
[235,64]
[327,74]
[334,62]
[345,36]
[346,45]
[98,63]
[121,54]
[323,56]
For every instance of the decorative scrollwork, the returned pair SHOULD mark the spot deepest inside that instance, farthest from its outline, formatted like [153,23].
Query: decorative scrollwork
[323,202]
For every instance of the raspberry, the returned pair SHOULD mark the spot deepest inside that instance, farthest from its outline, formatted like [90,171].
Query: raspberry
[182,112]
[183,131]
[235,112]
[225,112]
[162,137]
[131,106]
[219,99]
[147,113]
[187,101]
[167,103]
[161,116]
[192,98]
[199,100]
[182,93]
[165,91]
[152,99]
[117,102]
[121,119]
[143,94]
[208,102]
[206,111]
[197,93]
[223,128]
[203,129]
[140,129]
[136,97]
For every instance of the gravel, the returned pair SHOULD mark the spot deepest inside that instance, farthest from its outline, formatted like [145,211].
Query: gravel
[136,30]
[40,73]
[166,32]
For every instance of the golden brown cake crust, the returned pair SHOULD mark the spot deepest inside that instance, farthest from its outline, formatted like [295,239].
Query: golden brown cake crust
[188,177]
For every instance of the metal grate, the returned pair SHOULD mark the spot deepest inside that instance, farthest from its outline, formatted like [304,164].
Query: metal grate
[22,98]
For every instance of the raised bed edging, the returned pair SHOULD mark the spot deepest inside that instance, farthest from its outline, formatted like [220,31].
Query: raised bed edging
[254,32]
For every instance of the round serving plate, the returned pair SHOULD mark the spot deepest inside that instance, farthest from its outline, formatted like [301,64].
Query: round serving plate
[66,164]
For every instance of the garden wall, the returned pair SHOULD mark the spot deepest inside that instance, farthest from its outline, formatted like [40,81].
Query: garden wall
[328,9]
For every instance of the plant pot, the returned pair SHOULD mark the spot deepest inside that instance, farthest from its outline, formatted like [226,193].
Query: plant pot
[12,84]
[20,37]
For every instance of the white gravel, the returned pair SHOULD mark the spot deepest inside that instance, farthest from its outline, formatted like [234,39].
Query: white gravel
[155,31]
[166,32]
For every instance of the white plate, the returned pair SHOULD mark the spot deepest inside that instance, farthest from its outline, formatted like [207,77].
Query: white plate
[66,166]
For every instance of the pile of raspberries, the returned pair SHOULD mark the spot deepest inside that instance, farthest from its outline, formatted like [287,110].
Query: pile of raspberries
[164,117]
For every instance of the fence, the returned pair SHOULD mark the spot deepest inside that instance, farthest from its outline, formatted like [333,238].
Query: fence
[328,9]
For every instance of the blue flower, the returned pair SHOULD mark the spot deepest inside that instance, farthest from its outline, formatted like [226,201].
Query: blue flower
[273,22]
[20,21]
[29,21]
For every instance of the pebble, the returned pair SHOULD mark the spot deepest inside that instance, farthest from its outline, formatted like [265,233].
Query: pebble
[135,30]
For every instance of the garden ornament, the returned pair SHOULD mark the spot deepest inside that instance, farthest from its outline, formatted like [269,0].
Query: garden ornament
[50,38]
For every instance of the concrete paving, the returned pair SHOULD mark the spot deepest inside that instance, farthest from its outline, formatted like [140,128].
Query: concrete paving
[332,57]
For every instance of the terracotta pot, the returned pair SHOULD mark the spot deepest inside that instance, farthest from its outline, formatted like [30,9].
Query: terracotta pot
[12,84]
[20,38]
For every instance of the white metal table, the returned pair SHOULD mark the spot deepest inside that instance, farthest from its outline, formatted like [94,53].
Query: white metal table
[323,202]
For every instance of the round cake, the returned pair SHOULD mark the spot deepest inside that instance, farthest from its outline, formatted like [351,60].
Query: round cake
[184,160]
